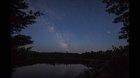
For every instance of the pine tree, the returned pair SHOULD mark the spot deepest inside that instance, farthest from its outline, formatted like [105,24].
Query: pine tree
[20,18]
[121,9]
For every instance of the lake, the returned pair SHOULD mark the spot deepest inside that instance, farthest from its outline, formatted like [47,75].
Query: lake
[49,71]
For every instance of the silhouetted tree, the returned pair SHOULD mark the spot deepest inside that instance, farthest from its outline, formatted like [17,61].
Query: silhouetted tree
[20,40]
[121,9]
[20,18]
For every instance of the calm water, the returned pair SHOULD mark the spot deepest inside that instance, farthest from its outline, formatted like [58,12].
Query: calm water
[49,71]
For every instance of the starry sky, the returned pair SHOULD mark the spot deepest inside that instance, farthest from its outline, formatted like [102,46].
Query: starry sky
[73,25]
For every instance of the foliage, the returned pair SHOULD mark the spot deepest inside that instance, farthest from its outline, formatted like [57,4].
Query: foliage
[84,58]
[20,40]
[121,9]
[20,16]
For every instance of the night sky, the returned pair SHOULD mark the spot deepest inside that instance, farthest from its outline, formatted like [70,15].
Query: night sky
[73,25]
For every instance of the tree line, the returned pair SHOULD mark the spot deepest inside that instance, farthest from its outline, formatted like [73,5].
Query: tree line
[24,56]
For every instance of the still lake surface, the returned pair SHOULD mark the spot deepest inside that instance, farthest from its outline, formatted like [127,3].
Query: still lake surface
[49,71]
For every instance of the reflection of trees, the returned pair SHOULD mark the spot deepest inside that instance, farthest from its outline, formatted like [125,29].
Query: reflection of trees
[109,64]
[97,62]
[93,60]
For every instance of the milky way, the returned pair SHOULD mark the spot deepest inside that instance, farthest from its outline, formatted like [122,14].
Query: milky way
[73,25]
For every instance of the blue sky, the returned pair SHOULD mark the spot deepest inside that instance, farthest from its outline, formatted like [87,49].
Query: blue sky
[73,25]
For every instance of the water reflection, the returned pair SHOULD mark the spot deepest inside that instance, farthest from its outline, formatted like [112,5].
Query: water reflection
[49,71]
